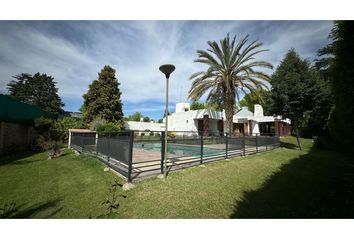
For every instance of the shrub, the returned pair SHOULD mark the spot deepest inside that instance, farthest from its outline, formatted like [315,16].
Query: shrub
[49,137]
[54,149]
[97,123]
[109,128]
[62,126]
[171,134]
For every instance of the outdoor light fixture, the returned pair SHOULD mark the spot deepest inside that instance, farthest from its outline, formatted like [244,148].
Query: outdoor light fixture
[167,69]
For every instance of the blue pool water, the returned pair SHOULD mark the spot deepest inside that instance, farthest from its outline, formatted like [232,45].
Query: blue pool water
[180,150]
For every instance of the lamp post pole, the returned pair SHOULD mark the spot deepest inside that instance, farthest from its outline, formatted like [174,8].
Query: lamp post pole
[167,69]
[166,131]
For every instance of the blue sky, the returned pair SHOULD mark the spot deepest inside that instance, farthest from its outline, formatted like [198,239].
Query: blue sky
[73,52]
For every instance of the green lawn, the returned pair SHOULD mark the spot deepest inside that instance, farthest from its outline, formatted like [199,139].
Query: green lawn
[282,183]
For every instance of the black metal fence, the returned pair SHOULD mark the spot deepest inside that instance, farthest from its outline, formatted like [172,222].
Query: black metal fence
[140,154]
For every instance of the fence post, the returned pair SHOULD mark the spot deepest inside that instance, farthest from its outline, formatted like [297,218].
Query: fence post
[256,142]
[130,159]
[69,140]
[162,149]
[266,142]
[96,142]
[201,149]
[226,145]
[109,147]
[82,142]
[244,145]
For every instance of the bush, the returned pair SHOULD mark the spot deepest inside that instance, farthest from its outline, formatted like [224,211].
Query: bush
[97,123]
[54,149]
[62,126]
[171,134]
[108,128]
[49,137]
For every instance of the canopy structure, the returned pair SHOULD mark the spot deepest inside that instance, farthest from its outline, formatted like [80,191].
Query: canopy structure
[12,110]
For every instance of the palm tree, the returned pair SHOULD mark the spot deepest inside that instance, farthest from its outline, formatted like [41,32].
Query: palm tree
[232,69]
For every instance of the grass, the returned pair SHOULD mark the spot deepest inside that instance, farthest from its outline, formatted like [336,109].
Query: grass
[282,183]
[66,187]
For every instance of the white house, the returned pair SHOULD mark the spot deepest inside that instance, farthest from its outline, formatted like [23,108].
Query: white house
[213,122]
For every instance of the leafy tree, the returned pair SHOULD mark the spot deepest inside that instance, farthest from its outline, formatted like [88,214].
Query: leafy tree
[38,90]
[146,119]
[341,74]
[322,102]
[197,105]
[135,117]
[103,98]
[261,97]
[62,126]
[231,68]
[293,90]
[215,104]
[108,128]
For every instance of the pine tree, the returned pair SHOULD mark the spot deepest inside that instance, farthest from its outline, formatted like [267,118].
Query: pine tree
[38,90]
[293,90]
[103,98]
[341,73]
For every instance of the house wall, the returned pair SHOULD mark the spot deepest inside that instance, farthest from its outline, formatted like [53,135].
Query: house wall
[188,121]
[182,121]
[15,137]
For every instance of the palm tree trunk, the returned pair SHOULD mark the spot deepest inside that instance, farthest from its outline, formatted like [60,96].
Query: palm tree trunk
[229,112]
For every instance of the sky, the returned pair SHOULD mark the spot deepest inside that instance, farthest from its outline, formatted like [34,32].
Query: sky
[73,52]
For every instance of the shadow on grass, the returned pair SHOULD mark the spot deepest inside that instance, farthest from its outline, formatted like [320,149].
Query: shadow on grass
[319,184]
[19,158]
[16,157]
[289,145]
[32,210]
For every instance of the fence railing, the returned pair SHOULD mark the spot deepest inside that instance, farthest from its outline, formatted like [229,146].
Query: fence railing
[139,154]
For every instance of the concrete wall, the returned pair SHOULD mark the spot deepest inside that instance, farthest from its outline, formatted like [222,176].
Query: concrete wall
[142,126]
[182,121]
[15,137]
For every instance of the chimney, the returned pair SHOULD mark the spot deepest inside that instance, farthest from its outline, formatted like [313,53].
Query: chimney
[258,110]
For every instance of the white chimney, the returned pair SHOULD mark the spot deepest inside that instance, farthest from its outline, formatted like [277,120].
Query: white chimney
[258,110]
[182,107]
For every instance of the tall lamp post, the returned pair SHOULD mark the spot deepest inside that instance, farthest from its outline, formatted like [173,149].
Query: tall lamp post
[167,69]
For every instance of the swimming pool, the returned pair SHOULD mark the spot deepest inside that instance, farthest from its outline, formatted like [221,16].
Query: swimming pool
[180,150]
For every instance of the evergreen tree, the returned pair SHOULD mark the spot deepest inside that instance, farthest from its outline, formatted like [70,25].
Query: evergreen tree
[341,74]
[38,90]
[322,102]
[103,98]
[293,90]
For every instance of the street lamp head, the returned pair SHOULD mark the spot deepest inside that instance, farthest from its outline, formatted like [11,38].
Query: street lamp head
[167,69]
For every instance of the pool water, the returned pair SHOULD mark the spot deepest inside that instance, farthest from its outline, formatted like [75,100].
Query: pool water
[180,150]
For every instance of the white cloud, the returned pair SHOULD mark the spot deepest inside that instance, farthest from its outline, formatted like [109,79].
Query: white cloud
[74,52]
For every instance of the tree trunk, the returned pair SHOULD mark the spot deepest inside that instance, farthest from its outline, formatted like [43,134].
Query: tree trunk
[229,112]
[297,135]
